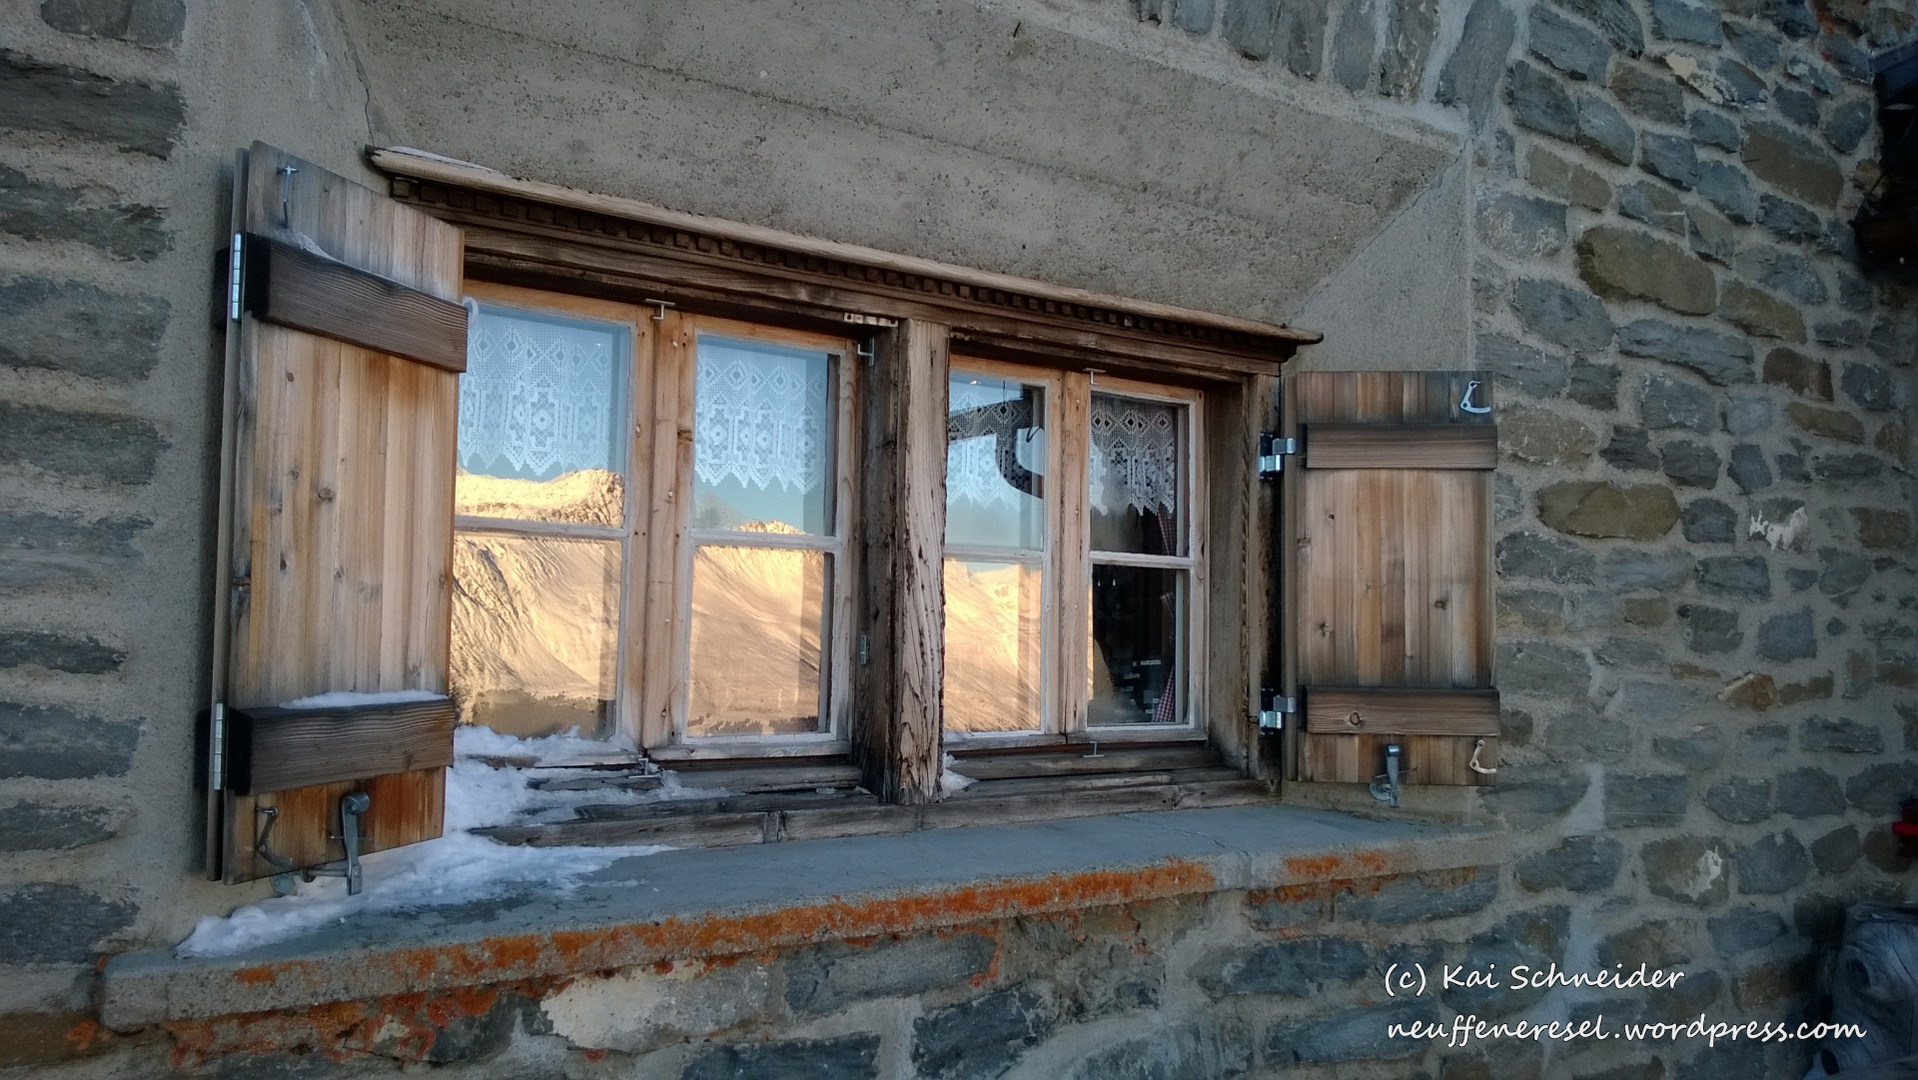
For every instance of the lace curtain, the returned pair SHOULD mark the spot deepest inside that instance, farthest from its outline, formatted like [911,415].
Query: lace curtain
[994,451]
[538,397]
[1135,455]
[762,416]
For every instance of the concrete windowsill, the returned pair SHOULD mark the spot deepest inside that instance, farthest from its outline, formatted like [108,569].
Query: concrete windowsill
[724,901]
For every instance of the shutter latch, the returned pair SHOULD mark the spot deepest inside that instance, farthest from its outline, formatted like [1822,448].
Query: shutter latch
[1273,452]
[1272,709]
[1385,786]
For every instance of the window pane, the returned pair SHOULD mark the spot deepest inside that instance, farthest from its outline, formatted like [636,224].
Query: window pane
[535,621]
[762,438]
[542,419]
[1138,452]
[759,624]
[992,646]
[995,463]
[1135,660]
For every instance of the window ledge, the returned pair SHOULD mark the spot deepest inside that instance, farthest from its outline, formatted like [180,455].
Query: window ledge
[725,901]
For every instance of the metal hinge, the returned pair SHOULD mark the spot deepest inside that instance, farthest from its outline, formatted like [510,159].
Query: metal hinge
[216,747]
[234,266]
[1273,709]
[1272,454]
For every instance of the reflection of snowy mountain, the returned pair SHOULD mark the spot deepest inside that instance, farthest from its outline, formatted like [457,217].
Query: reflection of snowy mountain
[992,647]
[758,617]
[586,497]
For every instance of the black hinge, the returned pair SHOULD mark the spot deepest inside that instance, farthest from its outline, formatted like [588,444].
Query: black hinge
[1273,709]
[1272,454]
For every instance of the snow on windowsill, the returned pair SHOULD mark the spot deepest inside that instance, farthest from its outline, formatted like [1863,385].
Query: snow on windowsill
[459,867]
[349,699]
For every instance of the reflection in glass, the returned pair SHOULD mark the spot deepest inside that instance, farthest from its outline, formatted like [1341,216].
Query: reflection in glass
[535,620]
[1136,667]
[762,436]
[541,418]
[759,624]
[992,655]
[995,463]
[1137,457]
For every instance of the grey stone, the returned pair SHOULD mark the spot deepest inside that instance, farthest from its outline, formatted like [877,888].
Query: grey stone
[1604,130]
[1411,26]
[55,743]
[1627,569]
[1844,333]
[38,211]
[1539,102]
[1716,129]
[1353,46]
[1797,106]
[1759,313]
[848,1057]
[1471,76]
[43,549]
[113,448]
[1187,1051]
[1634,652]
[1541,667]
[1194,16]
[1883,530]
[1809,792]
[1799,373]
[1879,789]
[1602,509]
[1531,938]
[1791,161]
[143,22]
[1841,736]
[1871,386]
[1670,157]
[35,826]
[1741,85]
[1748,468]
[1746,413]
[1845,468]
[1837,851]
[58,652]
[77,327]
[1709,520]
[1653,205]
[1787,637]
[1676,20]
[1727,187]
[47,923]
[1298,968]
[1772,864]
[1530,555]
[1522,367]
[982,1037]
[1688,869]
[1302,37]
[1785,272]
[1651,703]
[1647,800]
[1742,930]
[1740,800]
[1562,315]
[1710,630]
[1787,220]
[1725,361]
[1250,26]
[1593,385]
[1793,17]
[1767,741]
[1423,897]
[826,978]
[1841,573]
[1350,1034]
[1520,226]
[1580,864]
[1543,437]
[1854,292]
[1755,44]
[1569,181]
[1847,125]
[1690,464]
[1615,17]
[1508,502]
[1489,284]
[1528,796]
[1847,57]
[1745,576]
[1569,47]
[1893,340]
[1630,448]
[1713,236]
[1825,423]
[36,95]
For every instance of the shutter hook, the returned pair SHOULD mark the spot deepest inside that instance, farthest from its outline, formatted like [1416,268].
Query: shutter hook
[285,171]
[662,305]
[1465,402]
[1476,767]
[259,846]
[1385,786]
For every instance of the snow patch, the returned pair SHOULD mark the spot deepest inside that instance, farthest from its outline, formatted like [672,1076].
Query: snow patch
[350,699]
[950,781]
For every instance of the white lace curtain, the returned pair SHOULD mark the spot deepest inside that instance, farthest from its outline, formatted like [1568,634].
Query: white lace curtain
[761,416]
[538,398]
[1135,455]
[994,447]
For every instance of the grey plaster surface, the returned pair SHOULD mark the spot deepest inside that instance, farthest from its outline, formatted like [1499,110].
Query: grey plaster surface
[1234,847]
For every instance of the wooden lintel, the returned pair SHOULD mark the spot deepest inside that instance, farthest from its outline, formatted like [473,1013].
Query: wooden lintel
[311,292]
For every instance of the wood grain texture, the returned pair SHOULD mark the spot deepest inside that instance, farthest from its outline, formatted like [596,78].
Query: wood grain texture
[1410,446]
[1389,569]
[1374,711]
[339,567]
[919,564]
[310,292]
[281,749]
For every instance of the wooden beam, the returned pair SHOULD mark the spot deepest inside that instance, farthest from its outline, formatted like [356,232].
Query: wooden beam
[1378,711]
[282,749]
[310,292]
[1407,446]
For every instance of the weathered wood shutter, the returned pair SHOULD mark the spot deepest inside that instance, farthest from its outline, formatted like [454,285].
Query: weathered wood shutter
[345,337]
[1387,555]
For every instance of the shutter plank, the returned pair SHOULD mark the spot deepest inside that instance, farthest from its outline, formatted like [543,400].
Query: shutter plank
[1414,446]
[282,749]
[1378,711]
[310,292]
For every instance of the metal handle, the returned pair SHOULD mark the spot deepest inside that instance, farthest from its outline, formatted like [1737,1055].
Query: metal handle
[272,814]
[351,808]
[1385,786]
[1482,770]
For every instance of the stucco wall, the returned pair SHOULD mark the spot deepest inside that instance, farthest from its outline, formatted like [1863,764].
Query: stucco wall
[1707,725]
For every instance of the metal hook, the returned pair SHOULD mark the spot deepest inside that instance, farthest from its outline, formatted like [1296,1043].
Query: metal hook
[286,171]
[259,848]
[662,305]
[1476,767]
[1465,400]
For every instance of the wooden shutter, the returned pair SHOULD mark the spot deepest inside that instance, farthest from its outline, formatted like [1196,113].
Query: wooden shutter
[345,338]
[1386,553]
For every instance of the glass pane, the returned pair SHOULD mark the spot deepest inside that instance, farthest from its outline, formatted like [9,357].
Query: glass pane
[759,627]
[1138,452]
[535,627]
[762,438]
[1135,658]
[995,463]
[992,646]
[542,418]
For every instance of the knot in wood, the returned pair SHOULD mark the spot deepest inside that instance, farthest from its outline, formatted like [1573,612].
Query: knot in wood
[1353,719]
